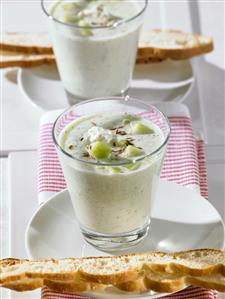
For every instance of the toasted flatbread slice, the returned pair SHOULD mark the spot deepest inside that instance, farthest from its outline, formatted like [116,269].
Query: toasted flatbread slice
[26,284]
[11,59]
[29,284]
[154,46]
[163,272]
[172,44]
[71,286]
[215,282]
[165,282]
[172,282]
[26,42]
[16,59]
[110,270]
[137,285]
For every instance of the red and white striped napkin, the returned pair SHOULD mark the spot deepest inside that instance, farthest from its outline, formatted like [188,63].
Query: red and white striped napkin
[184,164]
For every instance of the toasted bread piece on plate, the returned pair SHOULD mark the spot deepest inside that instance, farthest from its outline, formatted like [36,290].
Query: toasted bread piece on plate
[71,286]
[172,282]
[25,60]
[14,59]
[154,46]
[158,271]
[164,44]
[26,42]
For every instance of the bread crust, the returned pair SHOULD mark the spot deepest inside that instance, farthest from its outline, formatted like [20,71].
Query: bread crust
[26,49]
[29,61]
[157,54]
[24,285]
[71,286]
[112,279]
[206,283]
[24,42]
[146,49]
[174,284]
[137,285]
[35,60]
[144,59]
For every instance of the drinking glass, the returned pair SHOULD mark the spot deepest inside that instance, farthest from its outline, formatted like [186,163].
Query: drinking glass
[99,63]
[113,208]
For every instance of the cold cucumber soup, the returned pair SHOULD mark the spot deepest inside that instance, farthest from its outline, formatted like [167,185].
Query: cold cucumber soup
[112,177]
[95,44]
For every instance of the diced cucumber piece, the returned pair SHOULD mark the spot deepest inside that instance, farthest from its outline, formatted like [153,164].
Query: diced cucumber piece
[71,19]
[69,6]
[121,143]
[85,31]
[133,151]
[115,169]
[100,167]
[133,166]
[126,121]
[139,128]
[100,150]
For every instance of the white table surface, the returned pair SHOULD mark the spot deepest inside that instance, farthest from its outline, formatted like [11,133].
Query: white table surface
[19,125]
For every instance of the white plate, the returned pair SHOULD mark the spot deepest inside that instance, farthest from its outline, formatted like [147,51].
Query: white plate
[181,220]
[168,74]
[165,81]
[42,87]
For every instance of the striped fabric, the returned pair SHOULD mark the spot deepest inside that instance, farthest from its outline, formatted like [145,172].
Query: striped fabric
[188,293]
[184,164]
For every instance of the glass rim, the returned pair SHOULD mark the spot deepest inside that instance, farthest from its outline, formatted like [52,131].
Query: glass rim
[120,163]
[116,25]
